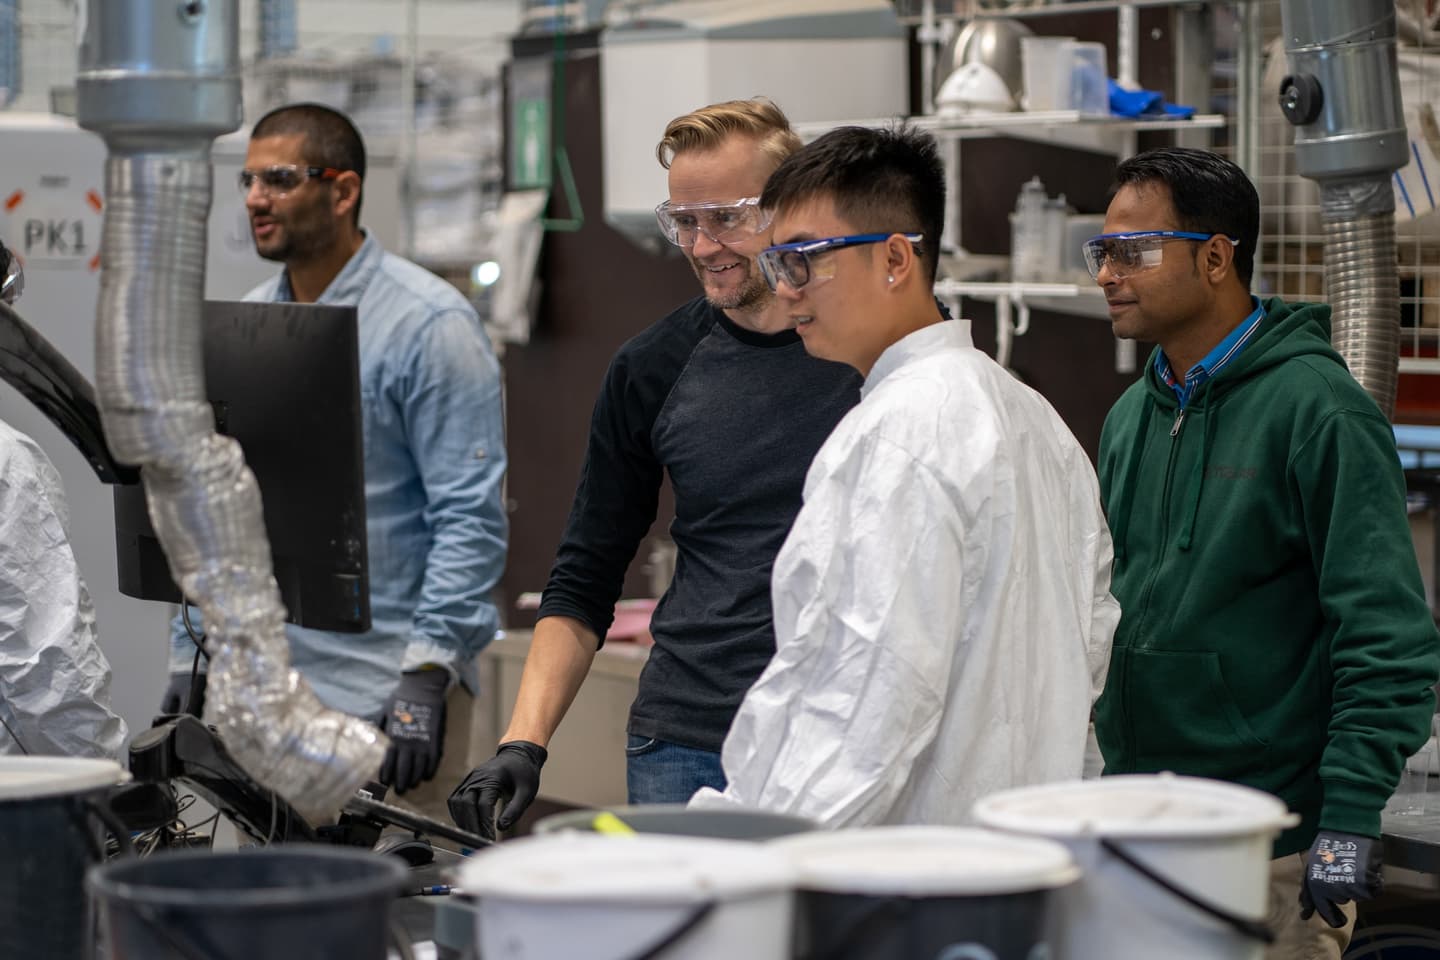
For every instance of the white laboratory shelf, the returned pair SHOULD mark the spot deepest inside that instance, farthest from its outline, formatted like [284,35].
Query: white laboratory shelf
[1428,365]
[1068,7]
[1063,127]
[1085,300]
[962,11]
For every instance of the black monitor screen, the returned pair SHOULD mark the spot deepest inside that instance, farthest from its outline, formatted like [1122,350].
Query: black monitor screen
[284,380]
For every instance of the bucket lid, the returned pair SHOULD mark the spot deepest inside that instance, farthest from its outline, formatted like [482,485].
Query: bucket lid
[926,861]
[1139,805]
[30,778]
[644,868]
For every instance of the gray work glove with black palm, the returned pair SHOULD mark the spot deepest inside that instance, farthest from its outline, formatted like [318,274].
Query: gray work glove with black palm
[414,719]
[178,695]
[1340,867]
[511,777]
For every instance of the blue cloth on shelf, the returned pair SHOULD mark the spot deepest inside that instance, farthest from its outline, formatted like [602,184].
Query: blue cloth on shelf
[1144,103]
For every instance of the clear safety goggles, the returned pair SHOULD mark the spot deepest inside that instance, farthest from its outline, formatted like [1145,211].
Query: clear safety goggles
[12,276]
[1127,254]
[796,263]
[723,221]
[280,179]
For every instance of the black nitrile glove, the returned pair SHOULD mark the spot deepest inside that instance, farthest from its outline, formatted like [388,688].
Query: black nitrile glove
[415,721]
[511,777]
[1340,867]
[177,695]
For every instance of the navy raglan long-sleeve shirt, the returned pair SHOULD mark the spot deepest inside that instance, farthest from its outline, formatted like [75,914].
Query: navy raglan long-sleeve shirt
[734,417]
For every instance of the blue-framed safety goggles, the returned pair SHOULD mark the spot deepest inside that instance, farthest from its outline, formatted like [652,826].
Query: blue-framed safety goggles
[792,262]
[1127,254]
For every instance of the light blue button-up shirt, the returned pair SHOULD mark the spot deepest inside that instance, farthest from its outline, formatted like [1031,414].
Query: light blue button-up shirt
[434,467]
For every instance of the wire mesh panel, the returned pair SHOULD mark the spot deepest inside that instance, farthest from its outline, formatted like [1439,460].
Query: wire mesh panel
[42,53]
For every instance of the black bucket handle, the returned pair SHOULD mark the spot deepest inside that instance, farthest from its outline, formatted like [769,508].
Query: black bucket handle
[681,931]
[1254,929]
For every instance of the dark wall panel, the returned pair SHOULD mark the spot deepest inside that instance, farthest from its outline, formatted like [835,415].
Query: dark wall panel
[598,290]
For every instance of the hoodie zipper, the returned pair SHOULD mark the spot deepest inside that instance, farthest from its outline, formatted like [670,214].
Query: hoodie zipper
[1173,455]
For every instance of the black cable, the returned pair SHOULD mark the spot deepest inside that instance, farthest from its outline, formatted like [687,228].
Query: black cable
[197,638]
[191,694]
[106,816]
[197,681]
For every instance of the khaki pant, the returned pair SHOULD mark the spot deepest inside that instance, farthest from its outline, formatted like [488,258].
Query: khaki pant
[456,759]
[1297,939]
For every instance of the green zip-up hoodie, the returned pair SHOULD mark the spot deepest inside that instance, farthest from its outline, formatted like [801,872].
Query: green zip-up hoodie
[1274,630]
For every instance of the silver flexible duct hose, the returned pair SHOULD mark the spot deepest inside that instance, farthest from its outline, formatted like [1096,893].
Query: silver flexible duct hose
[203,500]
[1362,281]
[158,114]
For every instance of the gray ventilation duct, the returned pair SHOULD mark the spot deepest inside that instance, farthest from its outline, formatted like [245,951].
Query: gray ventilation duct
[1343,97]
[159,81]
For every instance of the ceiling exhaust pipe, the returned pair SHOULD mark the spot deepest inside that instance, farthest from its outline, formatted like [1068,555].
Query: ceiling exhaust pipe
[159,81]
[1343,98]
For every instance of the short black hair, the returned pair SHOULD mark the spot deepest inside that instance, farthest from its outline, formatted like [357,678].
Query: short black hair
[882,181]
[331,139]
[1209,193]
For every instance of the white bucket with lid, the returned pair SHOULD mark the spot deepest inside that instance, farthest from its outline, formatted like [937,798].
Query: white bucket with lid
[629,897]
[50,834]
[1209,841]
[954,892]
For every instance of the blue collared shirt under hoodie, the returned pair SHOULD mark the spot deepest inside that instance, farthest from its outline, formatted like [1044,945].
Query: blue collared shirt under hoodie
[434,466]
[1214,361]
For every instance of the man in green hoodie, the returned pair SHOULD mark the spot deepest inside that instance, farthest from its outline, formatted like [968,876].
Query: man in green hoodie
[1274,630]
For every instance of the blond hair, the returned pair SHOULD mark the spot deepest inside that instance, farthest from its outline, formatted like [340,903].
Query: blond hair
[708,127]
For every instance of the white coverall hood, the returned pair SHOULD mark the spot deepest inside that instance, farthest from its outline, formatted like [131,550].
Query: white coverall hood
[54,681]
[943,618]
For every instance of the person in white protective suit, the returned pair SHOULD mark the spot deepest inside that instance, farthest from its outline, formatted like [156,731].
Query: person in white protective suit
[943,617]
[54,681]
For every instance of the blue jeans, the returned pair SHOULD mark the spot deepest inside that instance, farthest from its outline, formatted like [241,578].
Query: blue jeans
[660,772]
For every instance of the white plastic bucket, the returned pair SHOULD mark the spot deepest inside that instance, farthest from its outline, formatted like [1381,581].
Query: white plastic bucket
[952,892]
[1208,839]
[624,898]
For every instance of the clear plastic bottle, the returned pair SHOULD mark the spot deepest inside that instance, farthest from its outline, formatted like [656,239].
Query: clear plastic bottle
[1027,233]
[1053,264]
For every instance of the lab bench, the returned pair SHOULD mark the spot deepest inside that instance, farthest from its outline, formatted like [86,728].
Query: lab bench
[1412,841]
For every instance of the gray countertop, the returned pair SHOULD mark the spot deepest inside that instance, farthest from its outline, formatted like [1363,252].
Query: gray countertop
[1412,841]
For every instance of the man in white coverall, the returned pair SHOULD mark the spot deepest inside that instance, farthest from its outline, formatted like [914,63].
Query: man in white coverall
[54,681]
[942,608]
